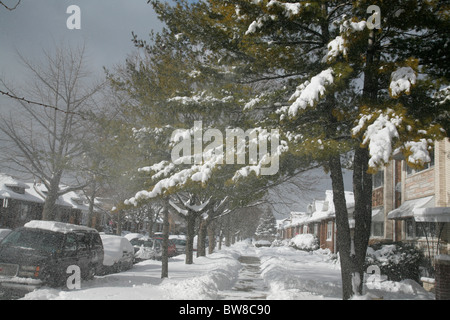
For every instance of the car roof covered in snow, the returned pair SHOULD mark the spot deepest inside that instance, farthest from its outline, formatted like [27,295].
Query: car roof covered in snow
[56,226]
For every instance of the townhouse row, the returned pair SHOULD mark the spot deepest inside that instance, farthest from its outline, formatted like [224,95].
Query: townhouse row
[408,205]
[21,202]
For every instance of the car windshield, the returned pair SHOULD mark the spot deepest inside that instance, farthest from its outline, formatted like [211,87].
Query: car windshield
[142,242]
[34,240]
[180,242]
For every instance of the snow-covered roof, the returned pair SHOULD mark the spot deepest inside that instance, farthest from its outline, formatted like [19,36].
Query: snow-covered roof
[37,193]
[7,190]
[319,210]
[70,199]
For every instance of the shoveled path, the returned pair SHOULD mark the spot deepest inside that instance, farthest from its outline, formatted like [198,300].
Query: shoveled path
[249,284]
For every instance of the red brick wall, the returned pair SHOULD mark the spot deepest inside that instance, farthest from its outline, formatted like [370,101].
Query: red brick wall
[377,197]
[442,277]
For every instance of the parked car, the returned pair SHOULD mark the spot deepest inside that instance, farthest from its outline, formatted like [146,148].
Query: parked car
[119,254]
[172,249]
[145,248]
[41,252]
[4,233]
[180,243]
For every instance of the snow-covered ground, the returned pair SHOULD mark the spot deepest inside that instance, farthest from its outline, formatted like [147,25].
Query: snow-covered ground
[287,273]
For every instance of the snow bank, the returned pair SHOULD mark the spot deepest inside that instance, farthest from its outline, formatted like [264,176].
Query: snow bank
[201,280]
[293,274]
[287,272]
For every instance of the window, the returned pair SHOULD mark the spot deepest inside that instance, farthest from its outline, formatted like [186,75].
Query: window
[420,229]
[377,229]
[409,228]
[316,229]
[34,239]
[410,171]
[83,241]
[305,229]
[329,230]
[17,189]
[23,210]
[96,241]
[70,245]
[378,179]
[426,229]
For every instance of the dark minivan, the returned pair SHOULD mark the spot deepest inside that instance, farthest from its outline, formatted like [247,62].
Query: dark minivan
[41,252]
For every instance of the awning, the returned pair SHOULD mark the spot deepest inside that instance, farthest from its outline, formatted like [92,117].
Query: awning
[406,210]
[436,214]
[421,210]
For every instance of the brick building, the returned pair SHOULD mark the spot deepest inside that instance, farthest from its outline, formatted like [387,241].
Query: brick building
[419,211]
[319,220]
[408,205]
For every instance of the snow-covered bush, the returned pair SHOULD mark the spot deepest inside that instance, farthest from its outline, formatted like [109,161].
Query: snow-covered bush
[306,242]
[281,243]
[396,261]
[262,243]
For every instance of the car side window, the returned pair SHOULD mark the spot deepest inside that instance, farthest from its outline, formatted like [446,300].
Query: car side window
[83,242]
[70,245]
[96,241]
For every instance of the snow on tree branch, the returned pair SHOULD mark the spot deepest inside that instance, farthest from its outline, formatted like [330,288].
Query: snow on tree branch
[419,153]
[401,81]
[379,136]
[309,92]
[335,47]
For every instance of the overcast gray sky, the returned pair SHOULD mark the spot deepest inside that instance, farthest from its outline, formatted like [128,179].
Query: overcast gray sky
[37,25]
[106,27]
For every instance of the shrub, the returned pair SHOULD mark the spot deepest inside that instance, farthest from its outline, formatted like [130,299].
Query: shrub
[306,242]
[262,243]
[397,261]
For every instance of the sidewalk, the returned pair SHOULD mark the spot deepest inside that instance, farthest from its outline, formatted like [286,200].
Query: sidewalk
[282,273]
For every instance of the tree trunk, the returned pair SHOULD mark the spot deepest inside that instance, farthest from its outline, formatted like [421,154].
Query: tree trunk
[90,222]
[119,223]
[190,220]
[49,211]
[362,189]
[220,238]
[211,237]
[343,238]
[201,241]
[165,242]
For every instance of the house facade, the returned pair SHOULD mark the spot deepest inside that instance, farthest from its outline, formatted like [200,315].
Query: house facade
[18,203]
[408,205]
[420,211]
[319,220]
[22,202]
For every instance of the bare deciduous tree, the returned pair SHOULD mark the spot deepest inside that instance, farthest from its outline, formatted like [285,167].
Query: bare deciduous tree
[47,142]
[9,7]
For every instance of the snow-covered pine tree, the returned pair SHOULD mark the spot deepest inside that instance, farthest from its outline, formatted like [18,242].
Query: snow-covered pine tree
[267,227]
[339,86]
